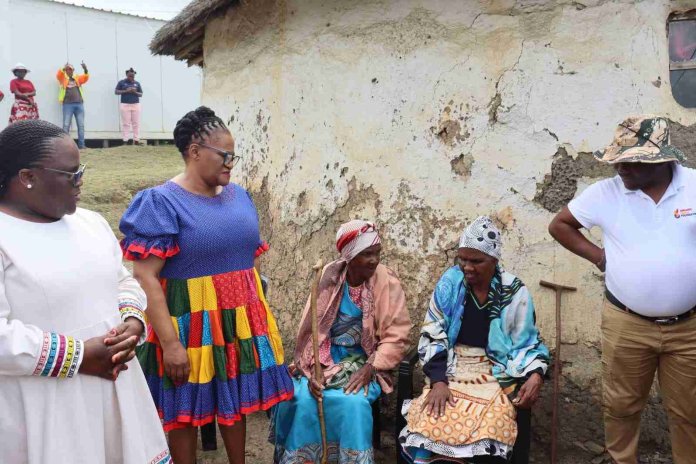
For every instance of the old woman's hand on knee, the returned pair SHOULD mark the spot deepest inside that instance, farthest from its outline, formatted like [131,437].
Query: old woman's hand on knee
[438,399]
[360,380]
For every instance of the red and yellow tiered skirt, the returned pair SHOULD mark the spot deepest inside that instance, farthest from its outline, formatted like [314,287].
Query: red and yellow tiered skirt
[234,349]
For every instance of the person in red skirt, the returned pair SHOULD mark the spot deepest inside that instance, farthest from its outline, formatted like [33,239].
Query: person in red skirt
[24,106]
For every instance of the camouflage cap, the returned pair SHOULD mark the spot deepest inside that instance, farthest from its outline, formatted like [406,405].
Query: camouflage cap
[641,139]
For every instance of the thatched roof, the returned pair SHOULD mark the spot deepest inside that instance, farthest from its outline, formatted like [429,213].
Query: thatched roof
[183,35]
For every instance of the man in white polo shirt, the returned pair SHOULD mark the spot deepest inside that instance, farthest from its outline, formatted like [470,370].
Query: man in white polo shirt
[647,214]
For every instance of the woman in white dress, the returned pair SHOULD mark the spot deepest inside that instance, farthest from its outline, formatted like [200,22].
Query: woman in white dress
[70,317]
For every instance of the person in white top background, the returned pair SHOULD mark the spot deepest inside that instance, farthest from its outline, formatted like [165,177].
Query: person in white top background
[647,214]
[70,317]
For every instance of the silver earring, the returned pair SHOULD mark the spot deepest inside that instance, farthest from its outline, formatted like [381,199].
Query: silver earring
[29,186]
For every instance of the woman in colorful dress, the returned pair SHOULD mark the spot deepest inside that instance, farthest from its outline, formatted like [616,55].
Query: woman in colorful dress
[70,317]
[363,335]
[478,344]
[215,351]
[24,106]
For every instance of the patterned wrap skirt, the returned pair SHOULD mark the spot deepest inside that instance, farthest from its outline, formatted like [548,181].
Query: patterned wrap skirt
[481,423]
[22,110]
[234,350]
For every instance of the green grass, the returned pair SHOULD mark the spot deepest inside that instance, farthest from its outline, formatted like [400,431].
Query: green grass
[114,175]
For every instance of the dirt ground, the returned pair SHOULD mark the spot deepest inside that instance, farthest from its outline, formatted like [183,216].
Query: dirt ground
[259,451]
[114,175]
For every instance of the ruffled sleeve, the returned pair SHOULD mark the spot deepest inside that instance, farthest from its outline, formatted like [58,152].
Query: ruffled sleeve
[150,227]
[263,247]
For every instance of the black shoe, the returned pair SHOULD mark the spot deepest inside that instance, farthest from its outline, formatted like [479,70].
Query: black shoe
[130,142]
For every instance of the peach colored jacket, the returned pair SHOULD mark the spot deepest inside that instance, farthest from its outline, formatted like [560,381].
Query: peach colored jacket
[386,323]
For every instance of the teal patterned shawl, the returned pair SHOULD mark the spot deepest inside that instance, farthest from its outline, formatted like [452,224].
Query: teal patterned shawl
[514,346]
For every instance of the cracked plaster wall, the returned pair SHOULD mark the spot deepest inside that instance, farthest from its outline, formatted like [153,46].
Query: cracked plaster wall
[424,114]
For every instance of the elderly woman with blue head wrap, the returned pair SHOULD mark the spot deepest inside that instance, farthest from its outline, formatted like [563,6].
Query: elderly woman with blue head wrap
[478,344]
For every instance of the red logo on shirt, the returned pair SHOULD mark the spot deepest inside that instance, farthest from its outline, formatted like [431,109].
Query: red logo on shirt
[678,213]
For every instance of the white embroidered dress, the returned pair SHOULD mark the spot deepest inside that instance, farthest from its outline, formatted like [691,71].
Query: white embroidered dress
[62,283]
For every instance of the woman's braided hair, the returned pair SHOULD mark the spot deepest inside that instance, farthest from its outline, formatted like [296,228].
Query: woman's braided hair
[23,145]
[195,123]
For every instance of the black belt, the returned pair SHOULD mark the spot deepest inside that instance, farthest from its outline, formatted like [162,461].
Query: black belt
[657,320]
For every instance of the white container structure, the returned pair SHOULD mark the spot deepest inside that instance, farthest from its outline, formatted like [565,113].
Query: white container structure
[44,35]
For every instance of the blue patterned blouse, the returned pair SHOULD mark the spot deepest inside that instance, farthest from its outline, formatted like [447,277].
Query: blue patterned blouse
[197,235]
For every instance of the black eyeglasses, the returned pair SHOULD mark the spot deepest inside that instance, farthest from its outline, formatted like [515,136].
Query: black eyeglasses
[75,177]
[228,157]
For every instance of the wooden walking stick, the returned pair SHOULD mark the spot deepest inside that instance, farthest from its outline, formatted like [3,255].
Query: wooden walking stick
[318,374]
[559,289]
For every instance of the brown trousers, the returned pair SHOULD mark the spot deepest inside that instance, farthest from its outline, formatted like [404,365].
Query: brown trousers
[632,350]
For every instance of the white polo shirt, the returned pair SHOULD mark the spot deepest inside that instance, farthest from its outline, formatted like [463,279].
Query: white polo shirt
[650,248]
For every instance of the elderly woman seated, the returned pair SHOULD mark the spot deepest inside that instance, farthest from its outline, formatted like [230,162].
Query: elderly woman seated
[478,344]
[363,334]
